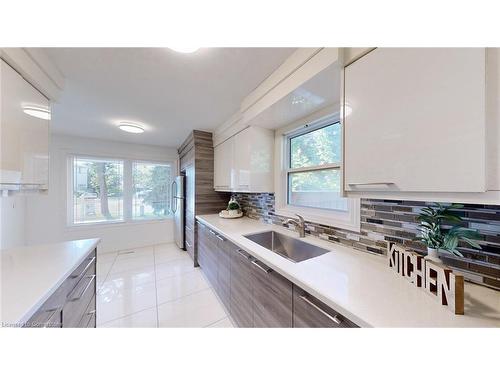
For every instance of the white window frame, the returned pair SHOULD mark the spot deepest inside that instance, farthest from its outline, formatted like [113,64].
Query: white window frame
[128,186]
[349,219]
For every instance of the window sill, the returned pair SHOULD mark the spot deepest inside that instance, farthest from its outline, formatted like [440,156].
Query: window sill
[349,220]
[113,224]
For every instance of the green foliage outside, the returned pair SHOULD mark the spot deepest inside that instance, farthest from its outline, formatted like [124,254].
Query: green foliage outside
[319,147]
[152,185]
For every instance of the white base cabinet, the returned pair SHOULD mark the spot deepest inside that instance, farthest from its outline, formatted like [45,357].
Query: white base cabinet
[244,162]
[416,122]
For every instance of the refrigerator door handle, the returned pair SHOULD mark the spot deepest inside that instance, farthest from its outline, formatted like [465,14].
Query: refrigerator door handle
[173,195]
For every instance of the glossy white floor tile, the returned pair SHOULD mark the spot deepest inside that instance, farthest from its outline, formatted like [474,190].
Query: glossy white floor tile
[135,277]
[179,286]
[143,319]
[155,286]
[200,309]
[113,303]
[223,323]
[129,264]
[174,267]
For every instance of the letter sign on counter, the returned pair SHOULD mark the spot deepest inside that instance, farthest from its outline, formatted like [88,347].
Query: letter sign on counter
[437,281]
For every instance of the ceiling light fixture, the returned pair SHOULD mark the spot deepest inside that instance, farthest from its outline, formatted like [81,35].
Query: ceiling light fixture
[36,111]
[130,127]
[185,49]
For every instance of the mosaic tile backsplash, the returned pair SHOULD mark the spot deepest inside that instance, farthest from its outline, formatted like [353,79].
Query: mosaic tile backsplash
[396,221]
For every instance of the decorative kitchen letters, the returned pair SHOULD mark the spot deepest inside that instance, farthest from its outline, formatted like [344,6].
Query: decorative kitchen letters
[436,280]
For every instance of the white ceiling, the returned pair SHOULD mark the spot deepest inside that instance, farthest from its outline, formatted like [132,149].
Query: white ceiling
[169,92]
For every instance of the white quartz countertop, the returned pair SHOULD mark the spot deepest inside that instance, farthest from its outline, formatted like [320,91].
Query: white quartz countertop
[31,274]
[360,285]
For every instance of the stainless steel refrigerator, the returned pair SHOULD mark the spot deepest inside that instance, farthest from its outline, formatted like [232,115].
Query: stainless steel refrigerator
[177,205]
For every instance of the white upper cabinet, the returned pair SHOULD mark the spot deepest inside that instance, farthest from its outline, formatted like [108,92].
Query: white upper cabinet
[223,165]
[24,158]
[244,162]
[415,121]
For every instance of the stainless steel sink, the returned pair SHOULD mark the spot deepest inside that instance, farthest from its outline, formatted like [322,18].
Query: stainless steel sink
[288,247]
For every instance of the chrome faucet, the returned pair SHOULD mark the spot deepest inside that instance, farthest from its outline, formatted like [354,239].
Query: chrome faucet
[299,225]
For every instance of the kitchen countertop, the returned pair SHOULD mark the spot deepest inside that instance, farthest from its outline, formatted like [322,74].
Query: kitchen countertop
[360,285]
[31,274]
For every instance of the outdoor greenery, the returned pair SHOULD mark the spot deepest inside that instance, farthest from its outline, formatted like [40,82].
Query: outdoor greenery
[319,147]
[104,179]
[99,190]
[151,184]
[436,236]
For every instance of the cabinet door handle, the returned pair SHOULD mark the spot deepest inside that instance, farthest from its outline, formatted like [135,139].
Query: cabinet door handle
[73,299]
[369,183]
[243,254]
[53,313]
[266,270]
[334,319]
[220,238]
[85,269]
[211,232]
[188,244]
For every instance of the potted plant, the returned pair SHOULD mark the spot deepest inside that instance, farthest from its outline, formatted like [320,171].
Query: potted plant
[233,207]
[442,239]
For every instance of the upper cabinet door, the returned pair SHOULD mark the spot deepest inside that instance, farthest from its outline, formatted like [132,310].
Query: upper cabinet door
[24,158]
[223,165]
[253,160]
[415,120]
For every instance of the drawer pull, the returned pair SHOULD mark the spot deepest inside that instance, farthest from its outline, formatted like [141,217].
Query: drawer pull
[73,299]
[48,323]
[212,232]
[265,269]
[334,319]
[220,238]
[85,269]
[243,254]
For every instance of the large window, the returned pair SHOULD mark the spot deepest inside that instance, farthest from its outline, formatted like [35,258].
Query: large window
[118,190]
[313,175]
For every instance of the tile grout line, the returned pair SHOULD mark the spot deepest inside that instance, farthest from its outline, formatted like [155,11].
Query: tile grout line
[107,273]
[156,289]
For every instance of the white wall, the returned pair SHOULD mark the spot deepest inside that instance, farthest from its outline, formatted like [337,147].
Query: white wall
[45,220]
[12,221]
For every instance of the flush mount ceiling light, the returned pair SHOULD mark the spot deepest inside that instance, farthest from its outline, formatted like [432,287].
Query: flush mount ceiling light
[185,49]
[130,127]
[37,111]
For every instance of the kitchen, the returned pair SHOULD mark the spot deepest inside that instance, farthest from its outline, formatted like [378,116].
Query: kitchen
[282,202]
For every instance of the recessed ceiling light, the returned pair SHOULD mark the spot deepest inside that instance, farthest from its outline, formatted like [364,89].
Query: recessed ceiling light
[36,111]
[185,49]
[130,127]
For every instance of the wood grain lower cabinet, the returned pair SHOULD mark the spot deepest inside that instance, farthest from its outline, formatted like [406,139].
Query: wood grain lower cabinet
[73,305]
[241,288]
[272,297]
[224,271]
[309,312]
[254,294]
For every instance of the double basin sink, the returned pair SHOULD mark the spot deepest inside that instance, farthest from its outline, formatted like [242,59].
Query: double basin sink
[286,246]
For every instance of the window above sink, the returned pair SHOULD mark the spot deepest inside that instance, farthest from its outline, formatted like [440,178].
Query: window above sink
[308,173]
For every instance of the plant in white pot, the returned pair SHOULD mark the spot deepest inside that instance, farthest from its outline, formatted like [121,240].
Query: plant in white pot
[233,207]
[442,239]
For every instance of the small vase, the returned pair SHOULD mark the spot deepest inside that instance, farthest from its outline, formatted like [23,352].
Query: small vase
[433,255]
